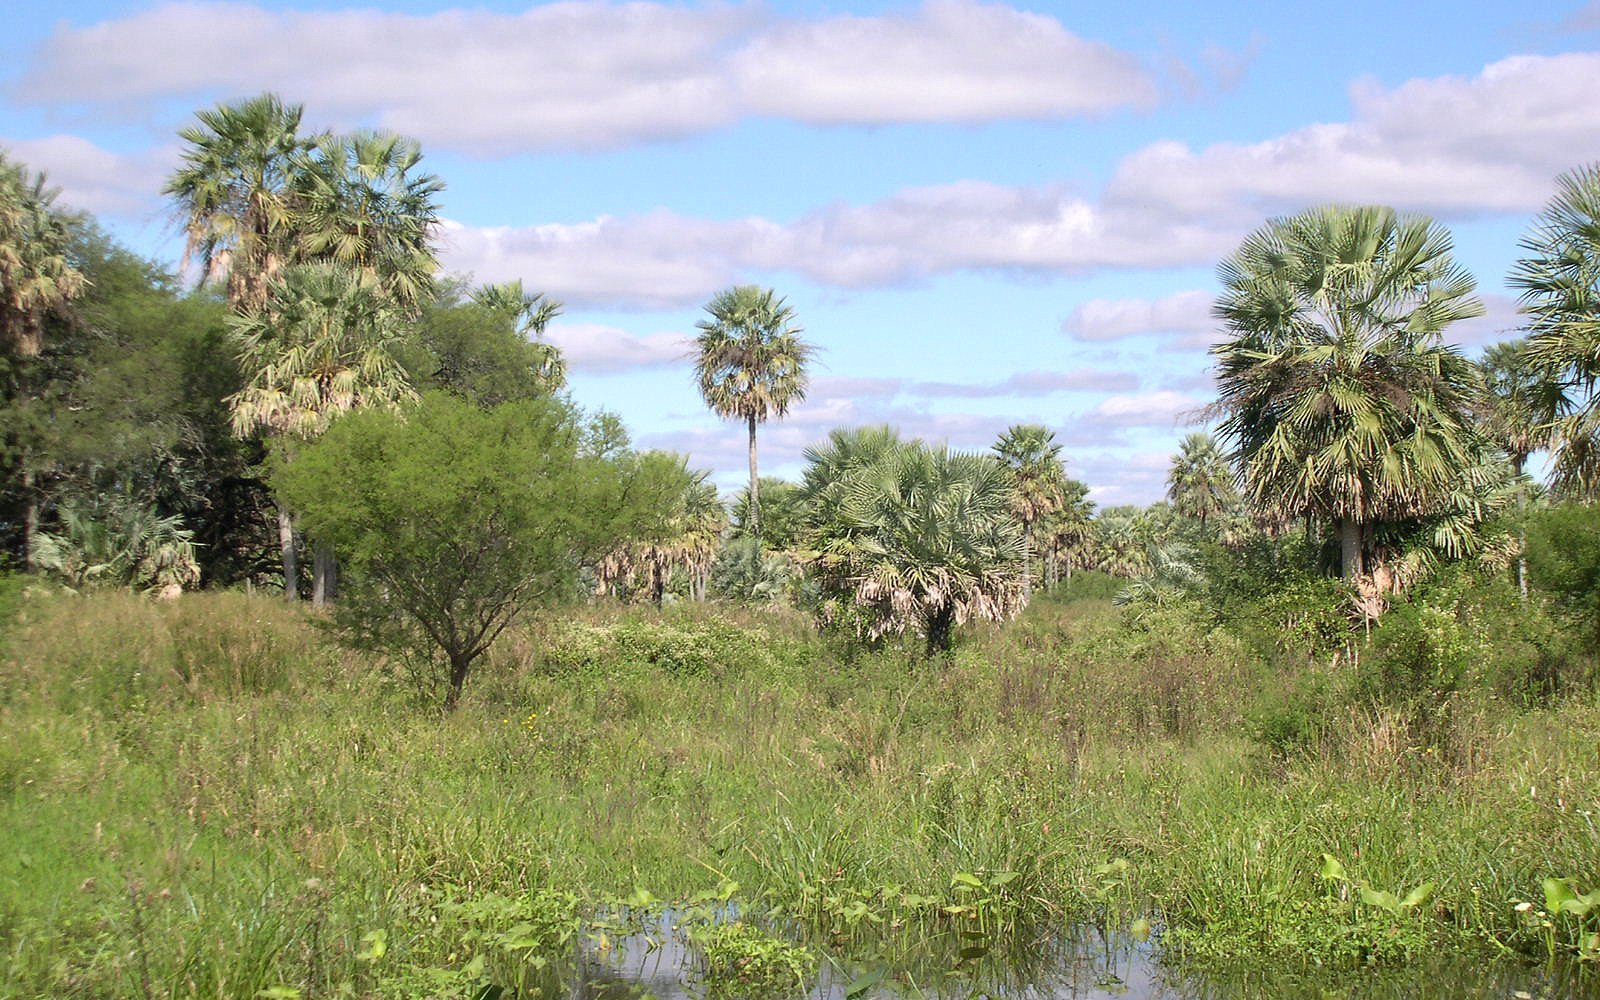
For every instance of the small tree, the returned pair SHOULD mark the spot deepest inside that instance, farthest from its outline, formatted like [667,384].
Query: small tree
[458,519]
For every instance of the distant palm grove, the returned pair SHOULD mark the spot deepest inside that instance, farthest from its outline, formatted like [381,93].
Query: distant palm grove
[1373,586]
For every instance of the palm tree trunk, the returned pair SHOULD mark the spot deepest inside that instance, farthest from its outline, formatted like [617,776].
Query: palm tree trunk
[30,518]
[291,566]
[1522,526]
[1027,557]
[755,488]
[1349,548]
[324,575]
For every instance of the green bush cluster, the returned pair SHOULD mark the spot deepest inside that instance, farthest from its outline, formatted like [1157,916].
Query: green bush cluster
[705,645]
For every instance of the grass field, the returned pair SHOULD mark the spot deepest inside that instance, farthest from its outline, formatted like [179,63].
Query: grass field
[210,798]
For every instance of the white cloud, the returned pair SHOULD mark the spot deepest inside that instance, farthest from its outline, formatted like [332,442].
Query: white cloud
[1033,383]
[582,74]
[95,179]
[1448,145]
[595,347]
[951,60]
[1186,314]
[1160,408]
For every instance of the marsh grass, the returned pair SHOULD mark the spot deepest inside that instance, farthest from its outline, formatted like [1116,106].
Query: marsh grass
[209,799]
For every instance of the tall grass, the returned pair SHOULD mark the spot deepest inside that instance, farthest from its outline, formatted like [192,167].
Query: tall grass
[207,798]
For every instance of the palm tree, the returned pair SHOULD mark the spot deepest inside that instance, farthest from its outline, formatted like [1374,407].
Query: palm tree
[37,279]
[1200,484]
[751,364]
[1519,407]
[1122,537]
[688,541]
[37,276]
[1336,394]
[360,203]
[911,537]
[1559,279]
[325,347]
[237,191]
[1034,458]
[1067,533]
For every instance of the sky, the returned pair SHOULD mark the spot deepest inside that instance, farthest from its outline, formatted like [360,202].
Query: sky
[981,213]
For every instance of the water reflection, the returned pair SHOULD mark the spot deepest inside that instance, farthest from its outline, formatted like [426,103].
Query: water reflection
[659,966]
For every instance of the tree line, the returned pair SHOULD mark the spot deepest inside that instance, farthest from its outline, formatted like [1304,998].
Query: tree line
[324,390]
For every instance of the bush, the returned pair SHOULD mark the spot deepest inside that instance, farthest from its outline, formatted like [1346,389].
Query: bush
[1418,655]
[1564,561]
[693,647]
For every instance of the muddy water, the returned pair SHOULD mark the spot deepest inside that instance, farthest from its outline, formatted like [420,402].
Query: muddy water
[659,967]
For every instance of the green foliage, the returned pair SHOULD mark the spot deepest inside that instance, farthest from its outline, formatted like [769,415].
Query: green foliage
[692,646]
[1336,394]
[455,519]
[488,348]
[739,959]
[782,513]
[909,537]
[1419,655]
[1559,280]
[1564,561]
[118,543]
[744,573]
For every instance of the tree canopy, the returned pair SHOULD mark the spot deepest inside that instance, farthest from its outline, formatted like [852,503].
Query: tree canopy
[455,519]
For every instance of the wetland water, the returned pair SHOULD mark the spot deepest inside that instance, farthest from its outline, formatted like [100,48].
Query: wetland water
[659,966]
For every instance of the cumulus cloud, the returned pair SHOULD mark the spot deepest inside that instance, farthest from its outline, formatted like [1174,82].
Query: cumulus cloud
[951,60]
[664,258]
[92,178]
[581,74]
[1160,408]
[1449,145]
[1184,314]
[595,347]
[1034,383]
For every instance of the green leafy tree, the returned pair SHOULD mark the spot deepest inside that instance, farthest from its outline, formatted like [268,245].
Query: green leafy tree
[326,346]
[903,536]
[750,364]
[485,347]
[1199,483]
[455,520]
[1559,280]
[1066,534]
[1030,452]
[1337,397]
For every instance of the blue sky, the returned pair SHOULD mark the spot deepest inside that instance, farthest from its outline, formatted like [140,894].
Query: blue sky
[983,213]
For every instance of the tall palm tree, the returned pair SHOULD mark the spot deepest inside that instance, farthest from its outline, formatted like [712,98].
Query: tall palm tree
[1067,533]
[361,203]
[912,537]
[1199,483]
[750,363]
[237,191]
[1030,452]
[324,348]
[37,279]
[37,276]
[1336,394]
[1559,279]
